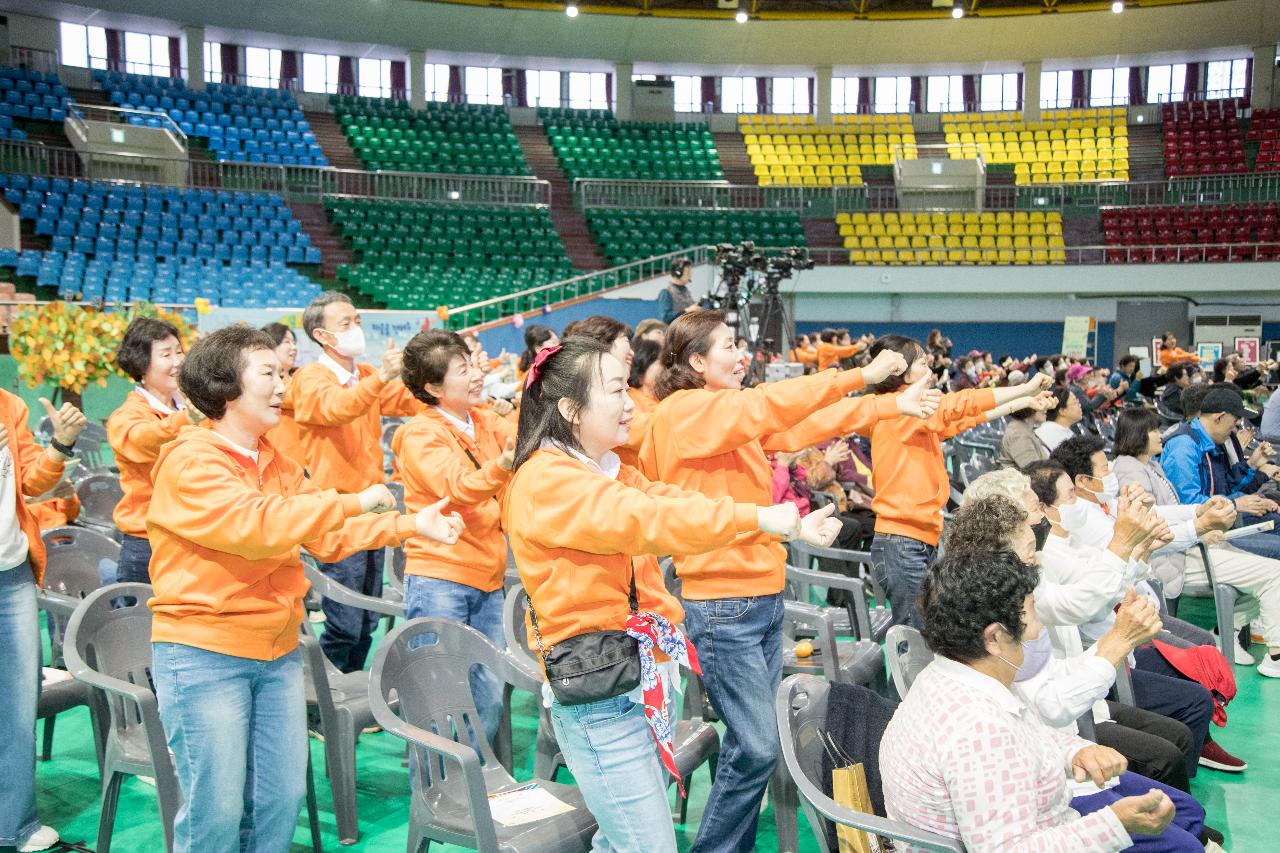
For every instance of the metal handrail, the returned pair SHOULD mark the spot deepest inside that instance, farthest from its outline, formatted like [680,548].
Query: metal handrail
[76,113]
[1070,255]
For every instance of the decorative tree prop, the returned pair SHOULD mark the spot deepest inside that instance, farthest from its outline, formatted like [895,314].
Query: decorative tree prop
[72,345]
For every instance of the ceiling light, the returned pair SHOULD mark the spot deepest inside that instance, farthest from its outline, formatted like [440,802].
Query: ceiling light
[1117,6]
[571,10]
[957,11]
[742,16]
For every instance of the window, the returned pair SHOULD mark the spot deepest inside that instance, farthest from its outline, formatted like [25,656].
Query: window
[945,94]
[146,54]
[1108,87]
[789,95]
[84,47]
[1166,83]
[373,78]
[643,78]
[319,73]
[1055,90]
[482,85]
[588,90]
[844,94]
[1226,79]
[262,67]
[998,92]
[212,62]
[688,94]
[436,82]
[739,95]
[892,94]
[543,88]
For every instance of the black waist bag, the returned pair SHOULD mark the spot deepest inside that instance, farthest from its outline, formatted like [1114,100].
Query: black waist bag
[591,667]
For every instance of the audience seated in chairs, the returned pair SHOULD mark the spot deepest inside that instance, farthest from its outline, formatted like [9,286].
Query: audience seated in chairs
[1062,418]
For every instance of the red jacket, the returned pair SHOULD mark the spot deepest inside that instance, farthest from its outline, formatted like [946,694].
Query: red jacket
[1207,666]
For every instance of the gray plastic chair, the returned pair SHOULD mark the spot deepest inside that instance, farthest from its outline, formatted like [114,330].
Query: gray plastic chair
[88,446]
[99,493]
[908,654]
[805,569]
[853,661]
[802,715]
[342,700]
[547,758]
[109,648]
[393,590]
[1224,597]
[424,667]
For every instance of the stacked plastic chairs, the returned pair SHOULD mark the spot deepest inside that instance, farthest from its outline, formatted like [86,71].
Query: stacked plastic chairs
[1065,146]
[954,237]
[794,151]
[630,235]
[239,123]
[1202,138]
[114,242]
[594,144]
[29,95]
[466,139]
[1250,232]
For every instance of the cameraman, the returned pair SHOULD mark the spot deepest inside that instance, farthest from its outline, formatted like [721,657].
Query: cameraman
[676,299]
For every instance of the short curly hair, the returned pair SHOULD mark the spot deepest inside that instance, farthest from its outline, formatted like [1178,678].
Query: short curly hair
[1076,454]
[210,377]
[1005,482]
[962,594]
[134,352]
[984,525]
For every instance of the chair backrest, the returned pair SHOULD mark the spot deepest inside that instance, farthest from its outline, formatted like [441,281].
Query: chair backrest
[73,555]
[514,607]
[802,719]
[99,493]
[88,444]
[908,654]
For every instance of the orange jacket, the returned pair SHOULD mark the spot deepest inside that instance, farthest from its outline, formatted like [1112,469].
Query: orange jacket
[829,355]
[136,432]
[287,437]
[34,472]
[714,442]
[574,531]
[629,453]
[907,469]
[225,534]
[807,356]
[342,427]
[433,462]
[55,512]
[1170,357]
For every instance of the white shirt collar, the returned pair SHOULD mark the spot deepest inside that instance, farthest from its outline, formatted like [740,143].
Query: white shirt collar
[980,683]
[244,451]
[468,426]
[609,465]
[156,403]
[344,376]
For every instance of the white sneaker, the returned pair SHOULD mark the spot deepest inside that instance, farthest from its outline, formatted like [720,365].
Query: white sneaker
[1269,667]
[1243,658]
[42,839]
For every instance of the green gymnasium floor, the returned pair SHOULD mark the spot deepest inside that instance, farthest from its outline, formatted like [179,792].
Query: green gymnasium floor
[68,785]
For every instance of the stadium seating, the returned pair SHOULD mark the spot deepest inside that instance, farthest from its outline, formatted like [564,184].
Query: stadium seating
[469,139]
[631,235]
[954,237]
[1264,129]
[243,124]
[29,95]
[1065,146]
[594,144]
[1202,138]
[418,256]
[794,151]
[1239,226]
[115,241]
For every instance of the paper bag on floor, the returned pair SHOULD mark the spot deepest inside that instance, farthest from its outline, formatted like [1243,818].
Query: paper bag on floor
[849,789]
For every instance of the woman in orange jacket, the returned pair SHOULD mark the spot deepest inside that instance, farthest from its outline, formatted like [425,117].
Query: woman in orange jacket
[150,354]
[834,345]
[286,438]
[577,518]
[460,450]
[910,477]
[227,519]
[26,470]
[805,353]
[709,435]
[616,336]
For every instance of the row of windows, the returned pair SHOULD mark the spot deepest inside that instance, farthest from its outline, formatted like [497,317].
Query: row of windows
[86,47]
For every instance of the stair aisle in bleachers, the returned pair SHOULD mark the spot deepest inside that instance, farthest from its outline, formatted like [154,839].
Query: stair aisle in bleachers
[734,159]
[332,140]
[568,219]
[317,226]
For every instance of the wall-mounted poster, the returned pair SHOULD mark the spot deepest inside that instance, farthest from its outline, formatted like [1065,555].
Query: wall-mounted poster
[1248,349]
[1208,354]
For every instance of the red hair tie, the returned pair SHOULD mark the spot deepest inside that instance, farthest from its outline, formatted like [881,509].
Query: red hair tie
[535,369]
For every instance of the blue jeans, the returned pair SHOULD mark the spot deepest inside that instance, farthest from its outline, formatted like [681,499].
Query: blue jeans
[1262,544]
[348,631]
[739,643]
[611,754]
[898,563]
[470,606]
[20,689]
[135,560]
[237,731]
[1182,835]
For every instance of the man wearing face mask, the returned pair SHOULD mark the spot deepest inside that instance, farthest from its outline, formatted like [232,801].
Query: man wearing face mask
[338,405]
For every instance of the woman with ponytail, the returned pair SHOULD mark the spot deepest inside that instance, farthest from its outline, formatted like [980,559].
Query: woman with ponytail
[585,530]
[536,339]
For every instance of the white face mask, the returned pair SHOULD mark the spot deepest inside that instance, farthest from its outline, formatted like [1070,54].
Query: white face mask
[1073,516]
[349,343]
[1110,487]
